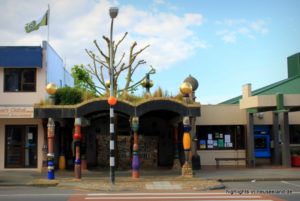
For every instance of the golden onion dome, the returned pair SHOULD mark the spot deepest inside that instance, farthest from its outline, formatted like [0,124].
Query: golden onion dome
[186,88]
[193,81]
[51,88]
[144,82]
[151,84]
[107,83]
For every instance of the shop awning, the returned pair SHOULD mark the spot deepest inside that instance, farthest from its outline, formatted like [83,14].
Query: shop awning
[21,57]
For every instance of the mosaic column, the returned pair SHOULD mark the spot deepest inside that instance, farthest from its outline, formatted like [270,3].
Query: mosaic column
[135,150]
[176,162]
[77,138]
[187,168]
[50,155]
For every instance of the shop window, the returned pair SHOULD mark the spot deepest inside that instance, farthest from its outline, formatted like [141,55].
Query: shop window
[295,134]
[20,80]
[20,146]
[220,137]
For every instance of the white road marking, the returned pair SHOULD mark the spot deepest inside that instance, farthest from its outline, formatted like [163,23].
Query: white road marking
[147,198]
[114,194]
[172,197]
[285,182]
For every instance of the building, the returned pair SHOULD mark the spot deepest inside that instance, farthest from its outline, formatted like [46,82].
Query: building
[258,128]
[24,73]
[262,125]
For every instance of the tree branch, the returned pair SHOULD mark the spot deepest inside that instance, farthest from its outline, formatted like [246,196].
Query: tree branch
[141,50]
[132,87]
[121,60]
[120,41]
[99,49]
[140,62]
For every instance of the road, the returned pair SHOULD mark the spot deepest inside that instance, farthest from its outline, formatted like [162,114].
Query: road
[287,190]
[237,191]
[52,194]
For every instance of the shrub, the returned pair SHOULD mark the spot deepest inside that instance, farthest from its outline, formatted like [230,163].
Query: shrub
[68,96]
[158,93]
[87,95]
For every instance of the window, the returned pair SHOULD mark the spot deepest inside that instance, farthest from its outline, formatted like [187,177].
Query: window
[295,134]
[19,79]
[220,137]
[20,146]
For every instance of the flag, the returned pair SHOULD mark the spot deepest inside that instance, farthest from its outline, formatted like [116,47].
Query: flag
[35,24]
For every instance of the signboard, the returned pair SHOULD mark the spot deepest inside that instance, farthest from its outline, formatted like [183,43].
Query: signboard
[16,112]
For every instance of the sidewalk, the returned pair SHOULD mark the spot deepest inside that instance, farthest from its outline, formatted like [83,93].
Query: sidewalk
[248,174]
[204,179]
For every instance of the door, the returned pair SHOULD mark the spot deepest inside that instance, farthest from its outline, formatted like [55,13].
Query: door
[20,146]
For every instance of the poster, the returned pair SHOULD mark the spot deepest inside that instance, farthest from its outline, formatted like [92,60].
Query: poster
[228,144]
[30,136]
[220,143]
[209,136]
[227,138]
[202,144]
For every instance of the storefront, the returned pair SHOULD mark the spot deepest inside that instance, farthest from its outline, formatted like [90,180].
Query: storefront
[21,138]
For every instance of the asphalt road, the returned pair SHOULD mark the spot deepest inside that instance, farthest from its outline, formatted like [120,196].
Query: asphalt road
[58,194]
[287,190]
[34,194]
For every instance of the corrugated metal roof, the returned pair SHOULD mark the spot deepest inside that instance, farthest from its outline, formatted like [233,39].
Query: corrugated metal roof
[286,86]
[21,57]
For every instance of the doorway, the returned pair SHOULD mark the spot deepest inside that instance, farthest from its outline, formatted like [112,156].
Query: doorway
[20,146]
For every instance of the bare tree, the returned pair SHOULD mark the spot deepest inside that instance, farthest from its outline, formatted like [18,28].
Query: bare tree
[100,67]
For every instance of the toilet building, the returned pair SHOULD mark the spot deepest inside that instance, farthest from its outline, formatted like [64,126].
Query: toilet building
[261,127]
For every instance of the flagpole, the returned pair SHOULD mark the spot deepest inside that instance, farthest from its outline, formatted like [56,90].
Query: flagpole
[48,23]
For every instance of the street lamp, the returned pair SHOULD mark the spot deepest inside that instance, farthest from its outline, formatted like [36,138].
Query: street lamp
[113,12]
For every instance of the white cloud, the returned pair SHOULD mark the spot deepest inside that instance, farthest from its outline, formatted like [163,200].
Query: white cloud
[234,28]
[259,26]
[159,2]
[74,24]
[229,37]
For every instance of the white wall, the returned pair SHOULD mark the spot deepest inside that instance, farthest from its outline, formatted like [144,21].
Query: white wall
[221,115]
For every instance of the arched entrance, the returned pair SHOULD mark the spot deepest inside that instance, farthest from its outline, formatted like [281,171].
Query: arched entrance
[158,120]
[98,138]
[156,133]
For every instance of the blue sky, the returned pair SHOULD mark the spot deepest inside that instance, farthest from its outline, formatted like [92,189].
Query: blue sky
[223,43]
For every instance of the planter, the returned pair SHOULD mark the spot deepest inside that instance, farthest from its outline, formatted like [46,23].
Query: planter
[296,161]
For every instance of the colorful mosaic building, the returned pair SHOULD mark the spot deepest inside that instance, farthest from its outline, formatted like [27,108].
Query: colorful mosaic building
[261,127]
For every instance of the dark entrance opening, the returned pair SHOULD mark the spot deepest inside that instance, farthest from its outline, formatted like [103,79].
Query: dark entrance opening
[98,137]
[157,133]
